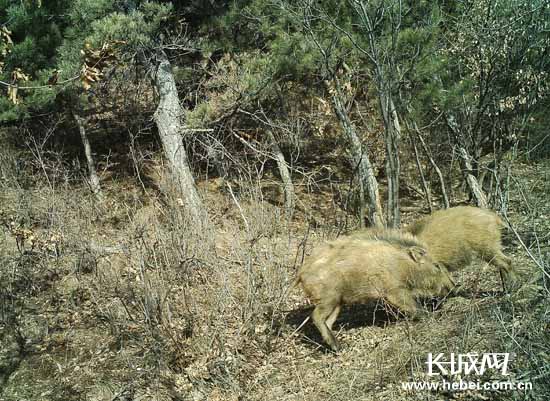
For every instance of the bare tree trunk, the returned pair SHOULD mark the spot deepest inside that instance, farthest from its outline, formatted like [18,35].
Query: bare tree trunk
[384,77]
[467,168]
[392,137]
[421,172]
[284,172]
[360,158]
[435,166]
[473,185]
[168,117]
[362,203]
[93,177]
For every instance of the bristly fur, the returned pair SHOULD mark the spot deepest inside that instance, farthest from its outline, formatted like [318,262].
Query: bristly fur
[391,236]
[457,235]
[366,266]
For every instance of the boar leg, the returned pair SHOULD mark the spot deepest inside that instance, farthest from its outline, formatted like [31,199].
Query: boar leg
[504,264]
[323,313]
[403,300]
[332,318]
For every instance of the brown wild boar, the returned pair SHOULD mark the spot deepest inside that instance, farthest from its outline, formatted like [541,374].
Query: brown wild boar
[454,236]
[386,265]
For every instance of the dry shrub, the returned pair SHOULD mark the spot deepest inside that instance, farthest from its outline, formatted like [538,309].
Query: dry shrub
[199,304]
[138,303]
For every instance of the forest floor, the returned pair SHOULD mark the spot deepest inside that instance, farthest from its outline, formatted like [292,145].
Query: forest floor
[121,299]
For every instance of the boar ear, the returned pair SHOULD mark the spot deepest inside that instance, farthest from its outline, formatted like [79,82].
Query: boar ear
[417,253]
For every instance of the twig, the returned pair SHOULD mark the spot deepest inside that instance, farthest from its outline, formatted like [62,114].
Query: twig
[39,87]
[301,325]
[533,258]
[238,206]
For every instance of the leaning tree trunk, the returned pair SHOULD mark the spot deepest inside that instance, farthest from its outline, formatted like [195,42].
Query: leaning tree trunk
[168,118]
[284,172]
[361,159]
[93,177]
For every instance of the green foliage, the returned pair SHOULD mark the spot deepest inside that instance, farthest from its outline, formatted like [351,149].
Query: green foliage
[293,57]
[472,59]
[139,29]
[9,111]
[243,82]
[279,28]
[43,43]
[487,70]
[84,12]
[36,34]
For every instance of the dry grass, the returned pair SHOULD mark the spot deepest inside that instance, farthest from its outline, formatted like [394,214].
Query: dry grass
[138,305]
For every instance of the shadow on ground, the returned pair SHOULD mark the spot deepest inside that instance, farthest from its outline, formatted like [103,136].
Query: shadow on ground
[351,317]
[363,315]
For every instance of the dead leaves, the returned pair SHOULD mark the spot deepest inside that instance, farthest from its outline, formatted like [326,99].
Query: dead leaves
[29,240]
[96,60]
[16,76]
[5,45]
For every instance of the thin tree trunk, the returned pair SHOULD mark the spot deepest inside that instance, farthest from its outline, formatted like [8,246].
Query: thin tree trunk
[392,136]
[473,185]
[383,76]
[365,171]
[168,118]
[284,172]
[362,204]
[466,163]
[421,172]
[435,166]
[93,177]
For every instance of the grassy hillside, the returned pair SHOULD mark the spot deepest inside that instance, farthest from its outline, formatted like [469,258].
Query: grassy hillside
[122,299]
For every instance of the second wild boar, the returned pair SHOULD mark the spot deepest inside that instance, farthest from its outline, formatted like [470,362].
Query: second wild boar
[386,265]
[455,236]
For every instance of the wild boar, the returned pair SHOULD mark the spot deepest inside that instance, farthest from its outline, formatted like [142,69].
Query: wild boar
[454,236]
[384,264]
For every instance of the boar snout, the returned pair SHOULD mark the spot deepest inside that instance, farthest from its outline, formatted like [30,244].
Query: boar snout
[447,282]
